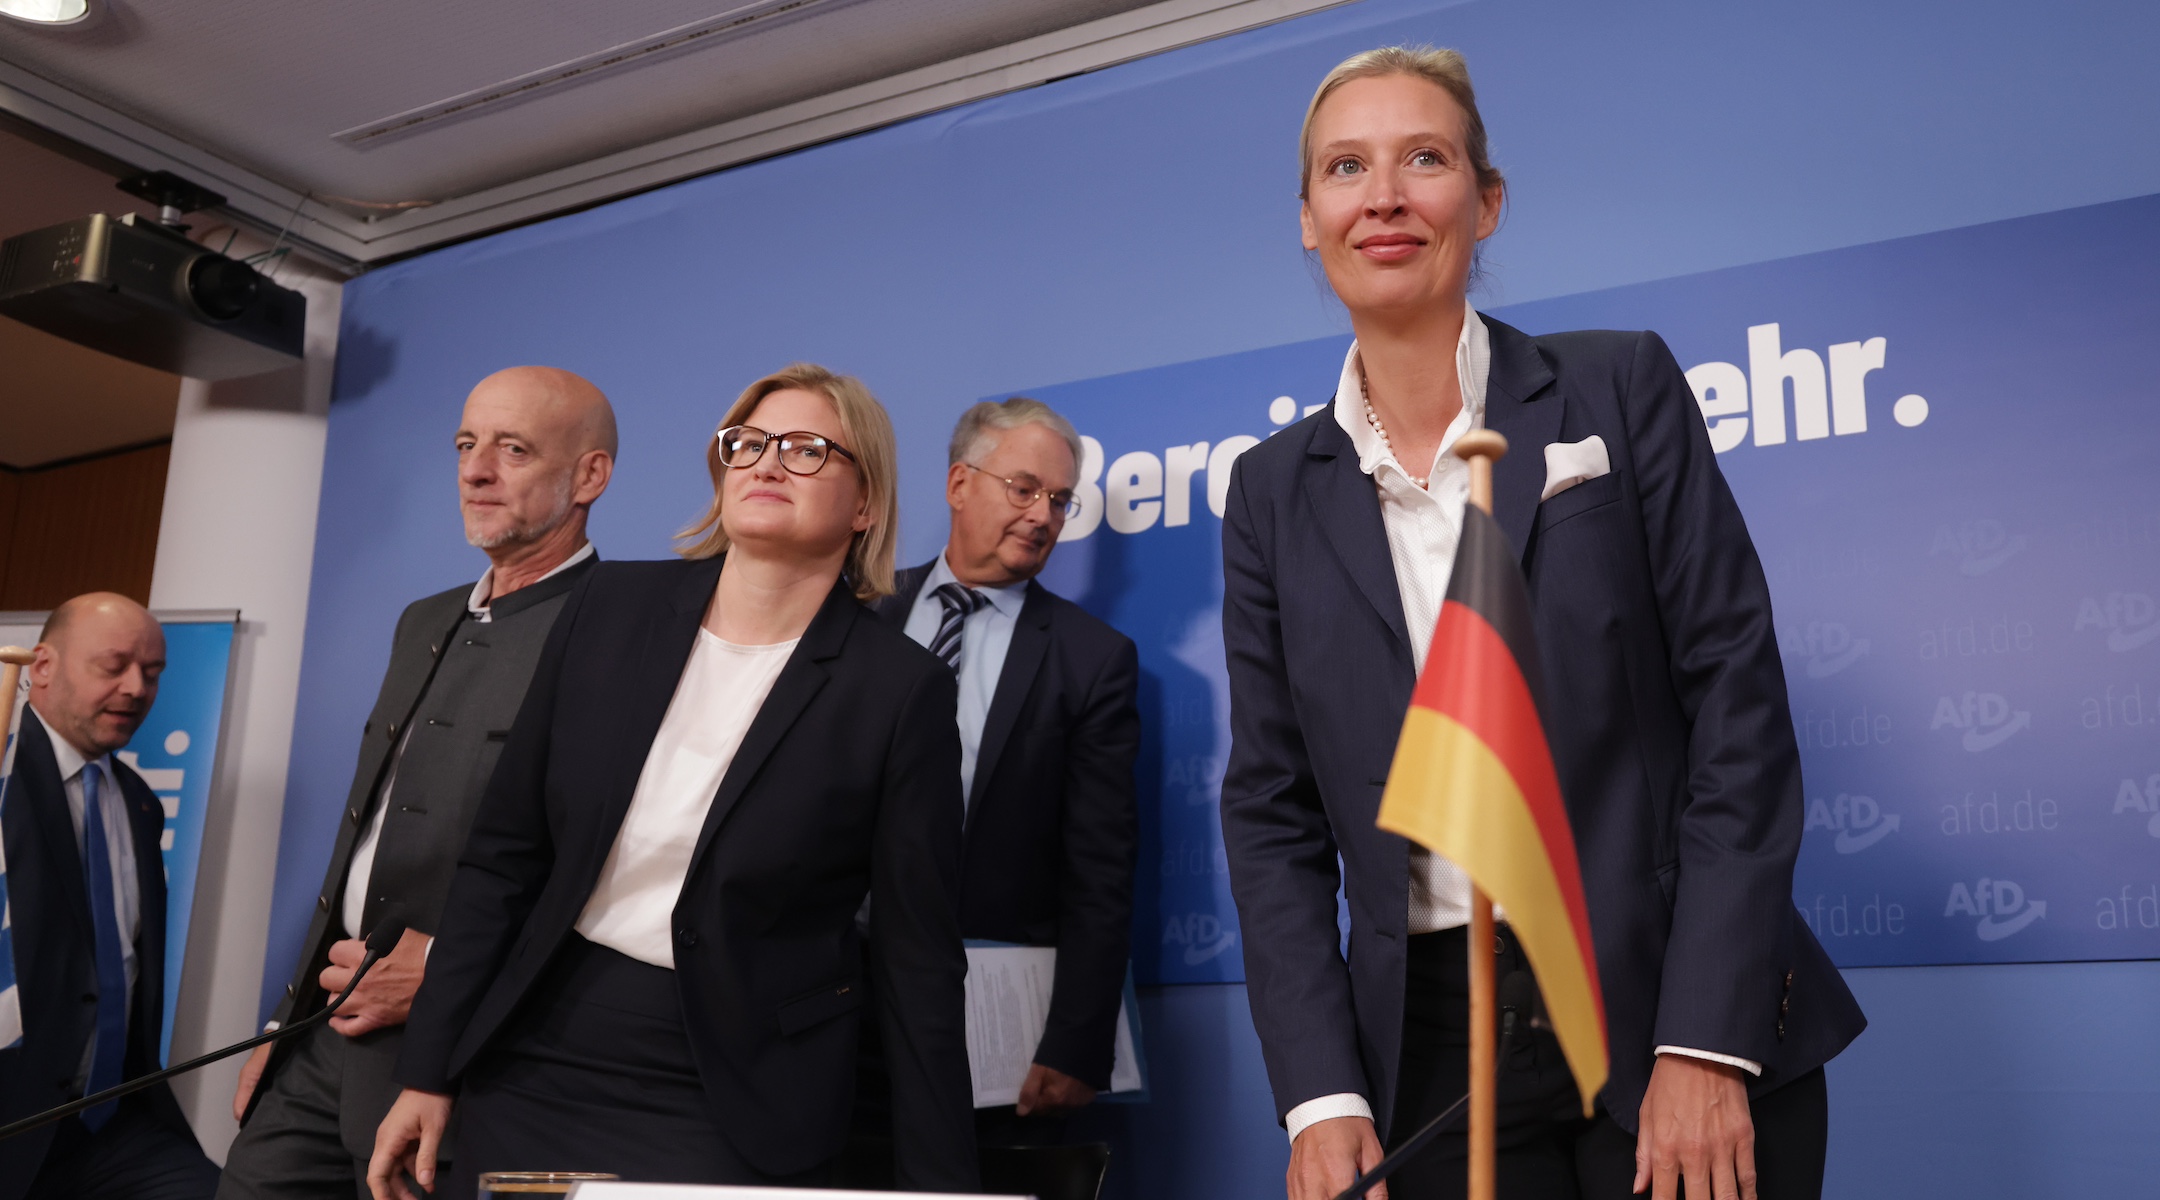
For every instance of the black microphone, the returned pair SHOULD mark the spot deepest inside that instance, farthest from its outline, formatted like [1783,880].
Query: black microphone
[382,941]
[1517,993]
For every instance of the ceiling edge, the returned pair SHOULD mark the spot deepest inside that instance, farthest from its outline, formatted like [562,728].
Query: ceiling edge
[352,242]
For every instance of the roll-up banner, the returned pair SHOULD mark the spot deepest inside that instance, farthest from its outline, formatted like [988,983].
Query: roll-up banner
[175,752]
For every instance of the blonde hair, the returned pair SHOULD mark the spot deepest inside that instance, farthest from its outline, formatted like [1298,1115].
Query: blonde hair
[1445,68]
[865,430]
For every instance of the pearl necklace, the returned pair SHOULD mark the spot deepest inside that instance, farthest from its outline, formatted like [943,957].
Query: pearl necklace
[1372,418]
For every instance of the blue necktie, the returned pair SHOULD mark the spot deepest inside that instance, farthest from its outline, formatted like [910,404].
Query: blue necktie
[959,602]
[106,1062]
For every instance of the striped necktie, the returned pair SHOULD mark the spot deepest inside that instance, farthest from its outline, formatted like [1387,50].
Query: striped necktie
[959,602]
[107,1060]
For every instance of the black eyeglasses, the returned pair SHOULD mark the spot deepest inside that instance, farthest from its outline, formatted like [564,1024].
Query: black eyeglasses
[801,452]
[1023,491]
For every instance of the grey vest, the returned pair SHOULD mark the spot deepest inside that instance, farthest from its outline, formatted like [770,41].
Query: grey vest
[455,685]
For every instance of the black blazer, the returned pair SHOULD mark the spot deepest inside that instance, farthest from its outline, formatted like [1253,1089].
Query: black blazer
[56,956]
[847,779]
[1666,712]
[1052,830]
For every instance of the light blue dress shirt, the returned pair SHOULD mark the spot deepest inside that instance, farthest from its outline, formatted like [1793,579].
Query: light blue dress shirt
[984,639]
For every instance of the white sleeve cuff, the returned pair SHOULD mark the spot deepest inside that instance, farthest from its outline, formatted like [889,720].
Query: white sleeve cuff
[1325,1108]
[271,1027]
[1746,1064]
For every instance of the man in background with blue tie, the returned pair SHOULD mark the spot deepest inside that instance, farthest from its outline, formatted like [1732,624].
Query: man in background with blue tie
[1049,728]
[86,886]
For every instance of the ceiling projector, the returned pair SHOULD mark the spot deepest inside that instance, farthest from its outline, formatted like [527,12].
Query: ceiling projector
[140,290]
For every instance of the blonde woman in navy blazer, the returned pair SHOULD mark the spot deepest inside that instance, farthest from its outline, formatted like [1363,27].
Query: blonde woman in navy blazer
[1667,713]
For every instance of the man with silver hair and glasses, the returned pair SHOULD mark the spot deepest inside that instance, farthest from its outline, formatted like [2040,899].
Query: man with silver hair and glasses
[1049,728]
[535,448]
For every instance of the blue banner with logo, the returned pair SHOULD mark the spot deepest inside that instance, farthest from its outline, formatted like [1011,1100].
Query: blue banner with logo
[175,752]
[1943,446]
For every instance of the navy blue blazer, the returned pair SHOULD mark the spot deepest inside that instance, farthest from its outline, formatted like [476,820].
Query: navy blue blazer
[1053,831]
[56,956]
[1666,712]
[848,778]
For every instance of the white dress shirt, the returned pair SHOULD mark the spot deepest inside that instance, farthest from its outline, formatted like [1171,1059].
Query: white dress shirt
[1423,526]
[362,867]
[722,688]
[119,851]
[984,638]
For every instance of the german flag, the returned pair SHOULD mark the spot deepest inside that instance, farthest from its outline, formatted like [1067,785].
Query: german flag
[1473,781]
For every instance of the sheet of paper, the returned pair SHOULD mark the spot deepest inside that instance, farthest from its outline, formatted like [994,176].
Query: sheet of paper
[1008,1006]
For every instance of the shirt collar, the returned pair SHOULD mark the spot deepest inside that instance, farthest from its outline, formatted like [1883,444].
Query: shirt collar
[69,759]
[483,592]
[1007,600]
[1473,367]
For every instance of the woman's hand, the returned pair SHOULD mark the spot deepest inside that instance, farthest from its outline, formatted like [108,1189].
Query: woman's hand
[407,1142]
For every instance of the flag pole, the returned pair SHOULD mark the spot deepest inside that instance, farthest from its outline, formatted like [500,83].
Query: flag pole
[1480,448]
[12,660]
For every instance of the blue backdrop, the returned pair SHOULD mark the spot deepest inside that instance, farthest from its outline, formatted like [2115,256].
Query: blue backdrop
[1145,215]
[1952,498]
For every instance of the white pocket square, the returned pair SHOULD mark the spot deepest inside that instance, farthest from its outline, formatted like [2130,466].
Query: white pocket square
[1570,463]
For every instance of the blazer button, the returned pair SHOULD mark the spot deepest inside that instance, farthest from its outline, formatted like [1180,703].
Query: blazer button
[354,813]
[322,903]
[1788,981]
[391,729]
[1784,1006]
[1781,1029]
[687,937]
[290,991]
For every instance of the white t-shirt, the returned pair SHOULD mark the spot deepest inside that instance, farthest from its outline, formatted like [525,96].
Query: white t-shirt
[722,688]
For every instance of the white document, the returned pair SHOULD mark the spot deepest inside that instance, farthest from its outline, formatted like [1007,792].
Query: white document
[1008,1007]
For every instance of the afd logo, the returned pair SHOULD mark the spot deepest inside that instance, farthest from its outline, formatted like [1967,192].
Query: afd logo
[2130,798]
[1824,401]
[2128,617]
[1858,820]
[1985,717]
[1199,936]
[1999,903]
[1826,647]
[165,781]
[1977,547]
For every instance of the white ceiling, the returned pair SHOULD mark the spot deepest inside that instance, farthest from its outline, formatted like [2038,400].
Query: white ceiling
[249,96]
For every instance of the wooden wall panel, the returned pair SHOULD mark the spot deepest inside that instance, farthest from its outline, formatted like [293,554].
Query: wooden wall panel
[84,527]
[10,488]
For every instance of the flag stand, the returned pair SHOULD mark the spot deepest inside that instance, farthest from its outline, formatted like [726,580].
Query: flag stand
[12,660]
[1480,448]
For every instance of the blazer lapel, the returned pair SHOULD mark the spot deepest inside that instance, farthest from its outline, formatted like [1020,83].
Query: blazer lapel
[1348,507]
[37,781]
[669,636]
[1023,658]
[1521,406]
[800,681]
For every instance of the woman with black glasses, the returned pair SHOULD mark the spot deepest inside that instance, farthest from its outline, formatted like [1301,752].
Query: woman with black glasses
[649,963]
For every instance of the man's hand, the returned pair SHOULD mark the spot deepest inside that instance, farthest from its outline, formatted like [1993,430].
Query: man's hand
[250,1075]
[1049,1092]
[385,996]
[1328,1156]
[1695,1127]
[406,1142]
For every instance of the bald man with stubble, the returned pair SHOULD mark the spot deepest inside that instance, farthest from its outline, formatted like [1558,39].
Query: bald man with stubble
[535,449]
